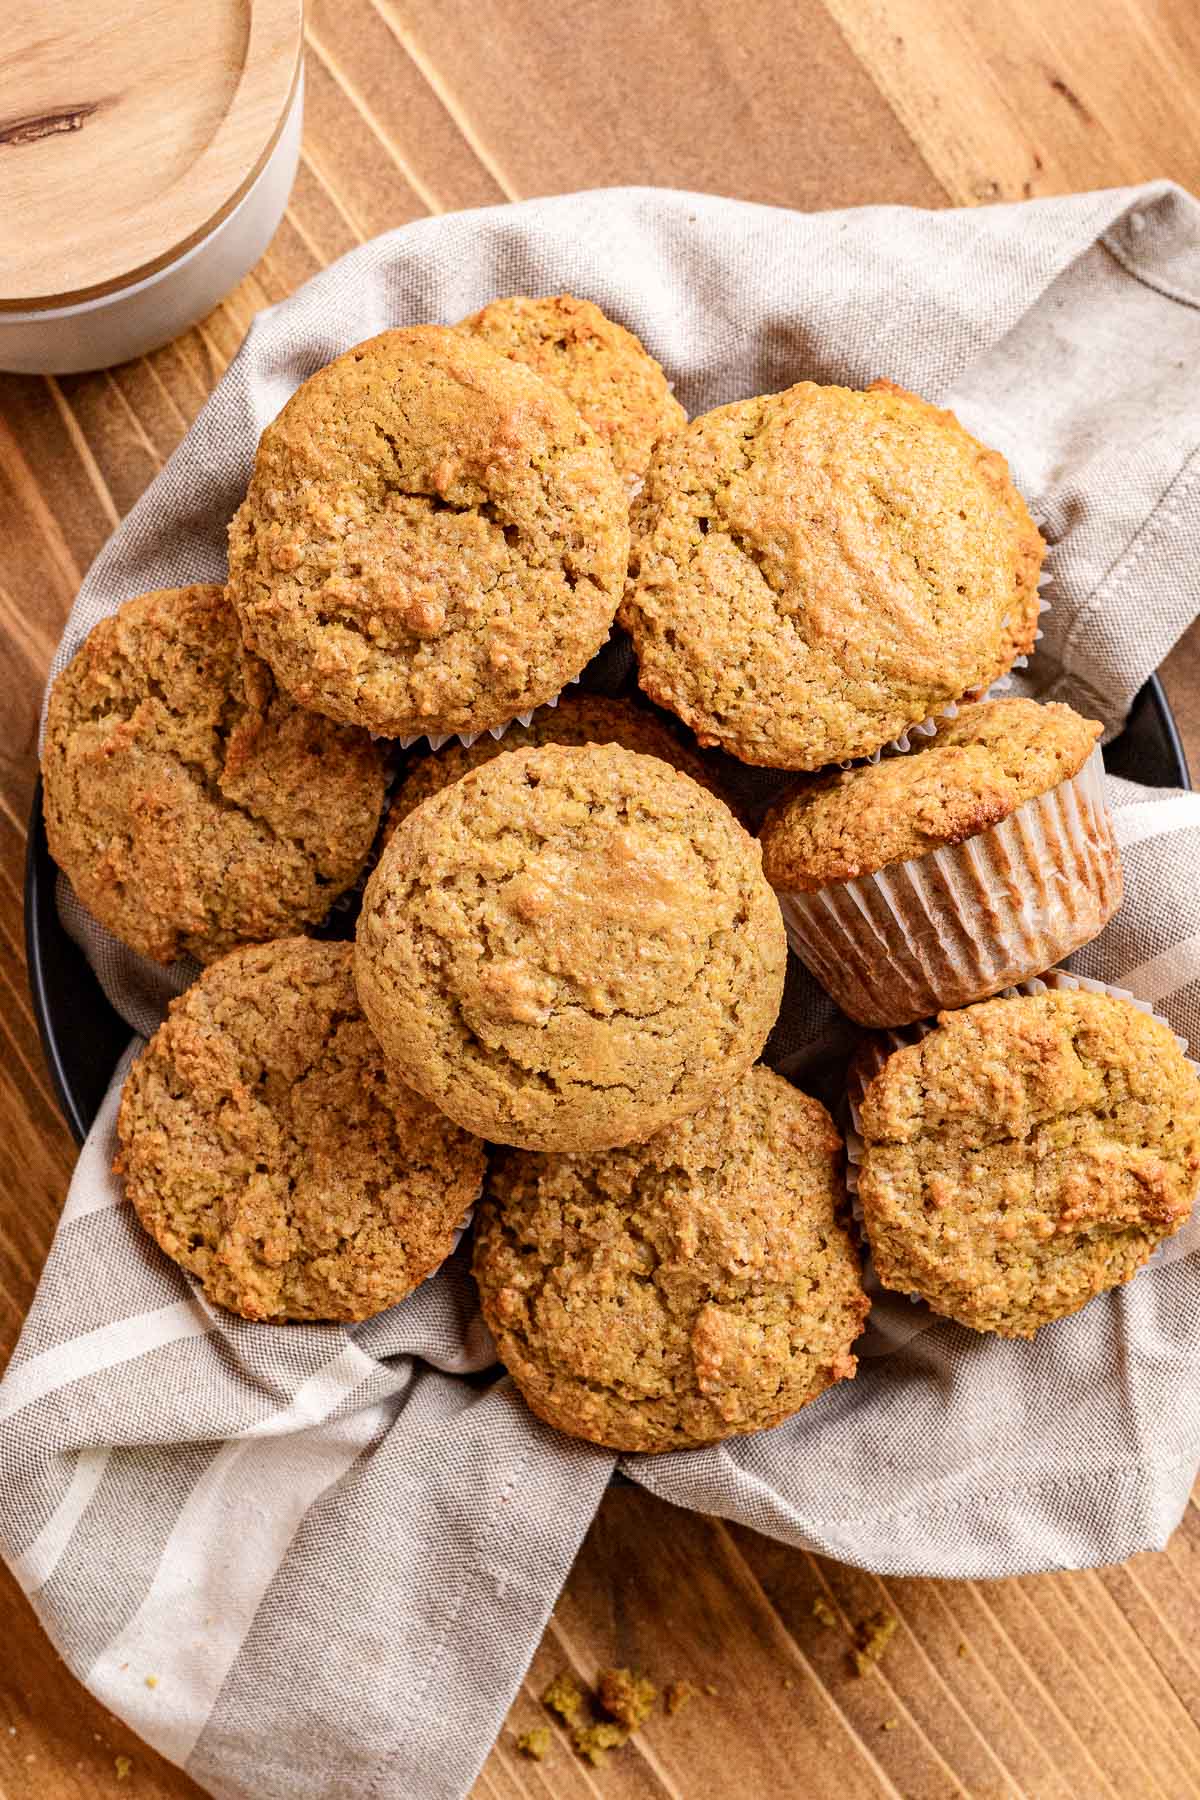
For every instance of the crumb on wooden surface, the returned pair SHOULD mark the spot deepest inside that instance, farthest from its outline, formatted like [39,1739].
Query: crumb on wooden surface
[711,1690]
[824,1613]
[890,1724]
[626,1697]
[871,1640]
[788,1682]
[564,1696]
[962,1650]
[676,1695]
[124,1767]
[534,1743]
[594,1741]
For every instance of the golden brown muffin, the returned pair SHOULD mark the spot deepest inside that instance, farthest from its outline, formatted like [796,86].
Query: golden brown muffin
[1026,1155]
[193,805]
[570,947]
[981,858]
[577,719]
[977,770]
[433,541]
[270,1151]
[683,1290]
[606,374]
[815,571]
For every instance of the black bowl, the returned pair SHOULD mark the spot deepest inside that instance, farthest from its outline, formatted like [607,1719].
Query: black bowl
[82,1036]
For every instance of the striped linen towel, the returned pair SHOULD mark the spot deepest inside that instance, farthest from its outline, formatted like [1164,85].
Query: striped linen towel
[312,1561]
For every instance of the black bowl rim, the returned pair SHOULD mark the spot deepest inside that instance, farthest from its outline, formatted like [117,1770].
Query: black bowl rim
[45,935]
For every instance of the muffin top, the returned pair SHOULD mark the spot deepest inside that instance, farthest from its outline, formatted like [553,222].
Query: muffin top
[606,374]
[193,805]
[577,719]
[814,571]
[681,1290]
[570,947]
[271,1152]
[977,770]
[432,541]
[1027,1154]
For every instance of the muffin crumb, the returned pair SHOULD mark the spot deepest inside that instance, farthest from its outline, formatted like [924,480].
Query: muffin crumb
[677,1695]
[534,1743]
[873,1636]
[625,1696]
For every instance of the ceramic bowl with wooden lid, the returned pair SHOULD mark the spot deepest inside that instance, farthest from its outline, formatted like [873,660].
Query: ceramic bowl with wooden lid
[146,157]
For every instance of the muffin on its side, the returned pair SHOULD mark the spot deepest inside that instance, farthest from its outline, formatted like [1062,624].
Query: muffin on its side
[815,571]
[432,542]
[1026,1155]
[604,370]
[570,947]
[269,1150]
[682,1290]
[577,719]
[192,804]
[980,858]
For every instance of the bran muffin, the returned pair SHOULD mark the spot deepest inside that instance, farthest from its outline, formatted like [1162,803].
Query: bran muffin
[679,1291]
[1027,1154]
[815,571]
[269,1150]
[604,370]
[570,947]
[981,857]
[432,542]
[192,804]
[577,719]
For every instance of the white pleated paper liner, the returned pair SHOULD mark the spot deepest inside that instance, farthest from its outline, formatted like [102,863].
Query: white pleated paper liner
[435,740]
[965,920]
[875,1051]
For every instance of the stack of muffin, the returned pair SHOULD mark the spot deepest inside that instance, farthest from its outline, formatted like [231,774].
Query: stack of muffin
[570,951]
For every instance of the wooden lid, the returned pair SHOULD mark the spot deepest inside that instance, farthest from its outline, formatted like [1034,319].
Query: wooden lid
[128,131]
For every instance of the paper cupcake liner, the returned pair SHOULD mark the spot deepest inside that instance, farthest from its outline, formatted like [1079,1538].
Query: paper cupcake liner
[965,920]
[467,738]
[874,1052]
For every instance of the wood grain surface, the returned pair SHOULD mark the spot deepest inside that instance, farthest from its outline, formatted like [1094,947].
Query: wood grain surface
[1066,1686]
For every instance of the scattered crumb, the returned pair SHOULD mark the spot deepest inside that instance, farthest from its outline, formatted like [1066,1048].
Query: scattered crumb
[710,1689]
[890,1724]
[676,1695]
[564,1696]
[872,1639]
[535,1743]
[962,1650]
[31,1757]
[823,1612]
[593,1742]
[625,1697]
[124,1767]
[152,1681]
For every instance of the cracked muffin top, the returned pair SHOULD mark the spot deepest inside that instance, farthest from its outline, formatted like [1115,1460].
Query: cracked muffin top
[608,376]
[433,541]
[679,1291]
[570,947]
[814,571]
[1026,1155]
[977,770]
[577,719]
[269,1150]
[192,804]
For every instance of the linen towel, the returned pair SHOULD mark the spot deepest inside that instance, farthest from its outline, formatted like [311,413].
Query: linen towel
[333,1553]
